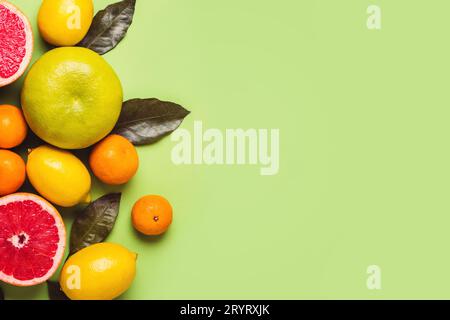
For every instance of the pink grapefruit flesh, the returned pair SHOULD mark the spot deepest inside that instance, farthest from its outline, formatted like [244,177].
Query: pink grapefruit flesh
[16,43]
[32,239]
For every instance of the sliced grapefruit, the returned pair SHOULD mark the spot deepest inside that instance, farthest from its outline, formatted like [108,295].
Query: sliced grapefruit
[16,43]
[32,239]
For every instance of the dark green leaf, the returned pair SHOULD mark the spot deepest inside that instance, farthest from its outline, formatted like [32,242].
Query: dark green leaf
[2,295]
[145,121]
[109,27]
[55,292]
[95,223]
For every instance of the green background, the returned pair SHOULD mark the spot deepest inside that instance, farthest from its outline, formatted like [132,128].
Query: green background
[365,163]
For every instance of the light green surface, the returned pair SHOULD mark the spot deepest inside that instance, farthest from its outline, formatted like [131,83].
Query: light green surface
[365,166]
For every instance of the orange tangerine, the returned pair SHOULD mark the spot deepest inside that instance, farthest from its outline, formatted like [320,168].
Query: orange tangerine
[152,215]
[13,128]
[114,160]
[12,172]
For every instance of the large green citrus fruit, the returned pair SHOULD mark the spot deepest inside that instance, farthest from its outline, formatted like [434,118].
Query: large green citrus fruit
[72,98]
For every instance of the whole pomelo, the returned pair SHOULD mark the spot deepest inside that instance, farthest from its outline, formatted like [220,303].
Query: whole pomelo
[72,98]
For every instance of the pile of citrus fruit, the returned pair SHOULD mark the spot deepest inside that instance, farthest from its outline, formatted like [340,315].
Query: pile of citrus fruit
[71,99]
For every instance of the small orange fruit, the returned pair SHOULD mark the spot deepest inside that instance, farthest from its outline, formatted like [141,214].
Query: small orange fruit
[114,160]
[12,172]
[13,128]
[152,215]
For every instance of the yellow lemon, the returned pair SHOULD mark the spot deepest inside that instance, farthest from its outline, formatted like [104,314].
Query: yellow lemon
[59,176]
[65,22]
[99,272]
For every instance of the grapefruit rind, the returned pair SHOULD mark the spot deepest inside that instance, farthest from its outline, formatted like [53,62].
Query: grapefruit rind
[28,47]
[57,259]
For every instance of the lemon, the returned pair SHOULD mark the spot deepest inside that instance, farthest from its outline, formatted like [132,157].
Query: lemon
[72,98]
[100,272]
[58,176]
[65,22]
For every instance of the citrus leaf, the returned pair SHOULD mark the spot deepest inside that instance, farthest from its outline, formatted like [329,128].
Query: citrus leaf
[146,121]
[55,292]
[109,27]
[95,223]
[2,295]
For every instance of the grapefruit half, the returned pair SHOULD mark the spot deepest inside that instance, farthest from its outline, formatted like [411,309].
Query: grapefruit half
[16,43]
[32,239]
